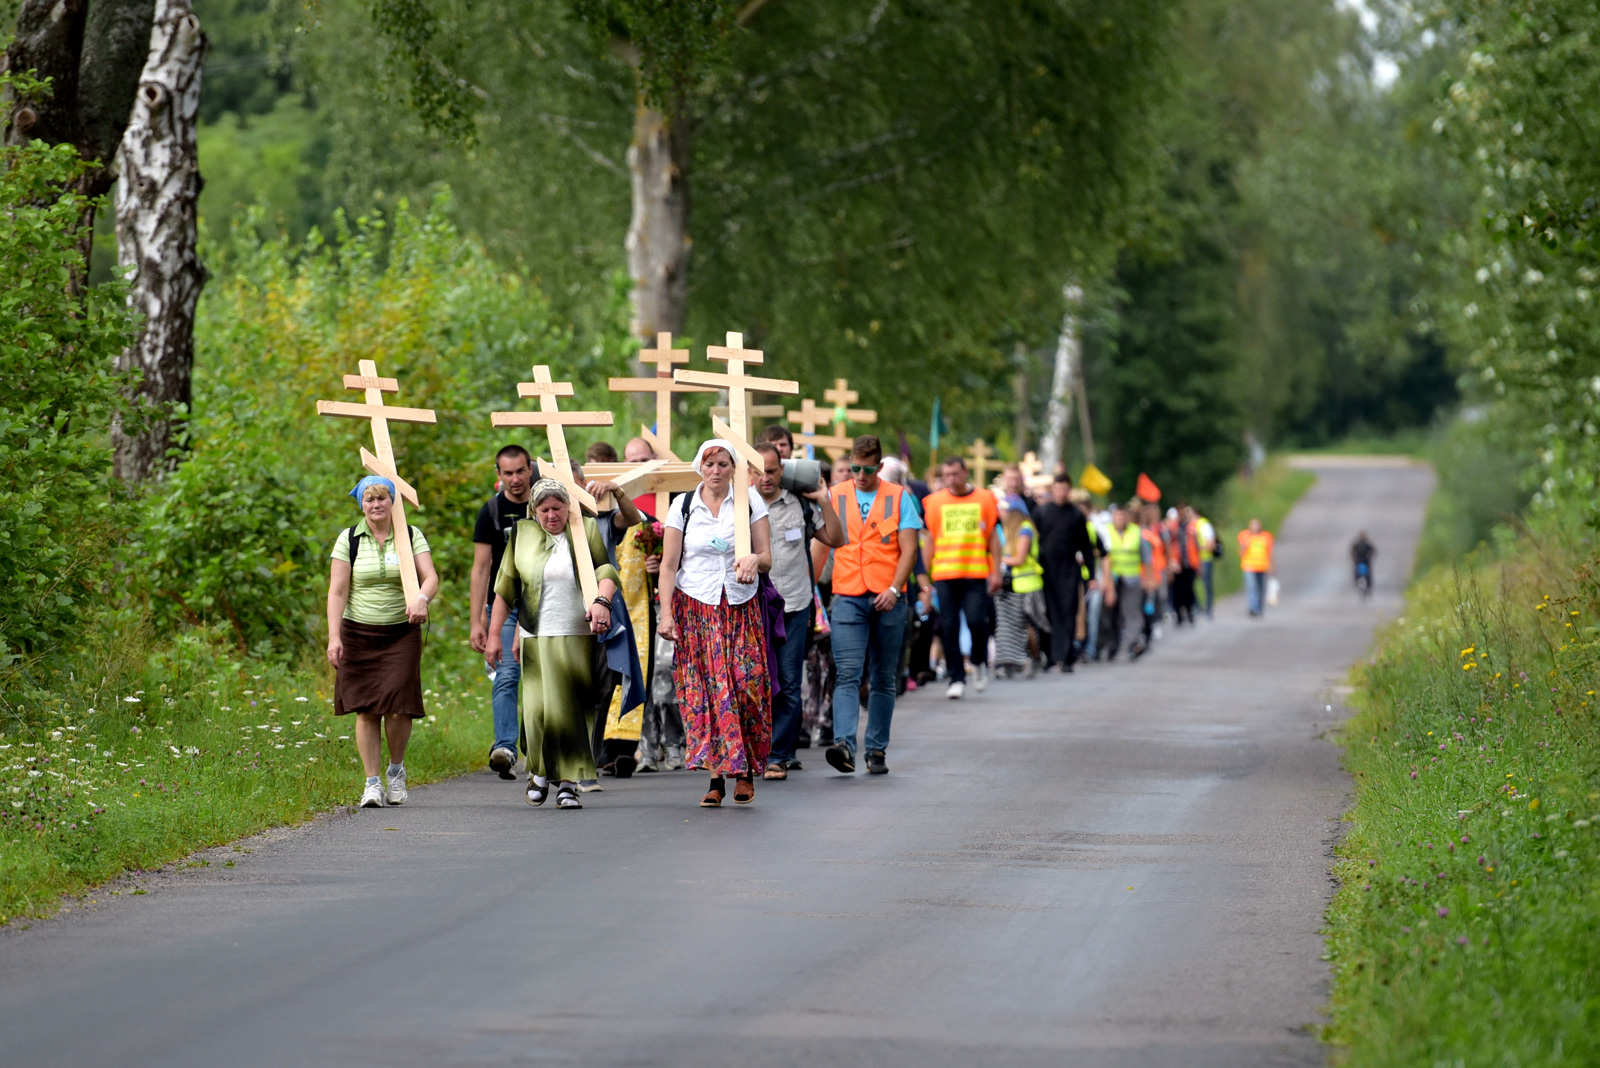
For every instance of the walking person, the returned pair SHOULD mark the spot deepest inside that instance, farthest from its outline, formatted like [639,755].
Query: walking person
[496,519]
[560,690]
[721,675]
[1210,550]
[870,570]
[1064,549]
[1021,582]
[375,637]
[1186,565]
[1125,551]
[793,521]
[964,562]
[1255,560]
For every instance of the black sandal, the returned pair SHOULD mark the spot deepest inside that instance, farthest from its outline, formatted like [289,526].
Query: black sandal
[536,793]
[713,798]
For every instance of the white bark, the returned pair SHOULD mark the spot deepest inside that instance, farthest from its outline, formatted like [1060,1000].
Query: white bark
[1068,352]
[658,234]
[157,197]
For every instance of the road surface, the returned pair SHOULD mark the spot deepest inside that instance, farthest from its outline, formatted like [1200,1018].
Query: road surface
[1126,867]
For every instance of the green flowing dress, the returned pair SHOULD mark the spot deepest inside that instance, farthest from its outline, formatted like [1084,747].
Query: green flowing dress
[558,670]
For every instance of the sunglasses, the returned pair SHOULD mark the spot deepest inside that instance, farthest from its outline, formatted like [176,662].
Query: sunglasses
[864,469]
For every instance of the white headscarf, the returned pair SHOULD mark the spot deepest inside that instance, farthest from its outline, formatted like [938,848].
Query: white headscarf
[715,443]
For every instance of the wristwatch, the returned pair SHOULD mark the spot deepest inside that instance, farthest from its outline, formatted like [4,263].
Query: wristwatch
[894,591]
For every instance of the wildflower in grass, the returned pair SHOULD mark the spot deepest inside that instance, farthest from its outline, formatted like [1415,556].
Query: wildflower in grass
[1443,912]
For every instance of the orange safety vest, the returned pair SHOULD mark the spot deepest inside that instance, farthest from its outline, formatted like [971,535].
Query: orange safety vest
[1255,551]
[867,561]
[1189,547]
[1158,556]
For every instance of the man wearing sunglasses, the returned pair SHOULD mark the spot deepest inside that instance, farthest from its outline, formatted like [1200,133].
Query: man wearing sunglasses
[869,612]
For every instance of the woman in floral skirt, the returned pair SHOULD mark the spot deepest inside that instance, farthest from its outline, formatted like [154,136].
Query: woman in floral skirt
[709,606]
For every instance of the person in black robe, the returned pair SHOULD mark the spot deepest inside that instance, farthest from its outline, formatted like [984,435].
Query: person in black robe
[1064,547]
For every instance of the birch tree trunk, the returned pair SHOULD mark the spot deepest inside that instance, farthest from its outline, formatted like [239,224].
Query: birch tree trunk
[1068,353]
[658,241]
[157,197]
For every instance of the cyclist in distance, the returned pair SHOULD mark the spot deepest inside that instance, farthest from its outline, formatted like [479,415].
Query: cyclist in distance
[1362,553]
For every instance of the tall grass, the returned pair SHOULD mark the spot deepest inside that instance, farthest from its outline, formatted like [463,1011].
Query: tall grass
[1466,929]
[136,752]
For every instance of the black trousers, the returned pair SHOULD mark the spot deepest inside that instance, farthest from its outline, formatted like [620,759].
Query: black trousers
[1182,586]
[963,597]
[1062,589]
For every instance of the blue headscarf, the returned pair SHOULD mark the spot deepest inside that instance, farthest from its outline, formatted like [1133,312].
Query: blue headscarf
[360,492]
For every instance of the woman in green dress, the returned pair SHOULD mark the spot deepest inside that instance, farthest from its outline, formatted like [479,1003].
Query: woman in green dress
[539,572]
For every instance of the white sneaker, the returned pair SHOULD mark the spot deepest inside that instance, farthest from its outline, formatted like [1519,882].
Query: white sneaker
[397,788]
[590,786]
[980,678]
[956,691]
[372,796]
[674,760]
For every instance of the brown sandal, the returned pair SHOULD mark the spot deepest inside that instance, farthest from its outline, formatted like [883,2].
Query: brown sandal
[744,791]
[775,772]
[713,798]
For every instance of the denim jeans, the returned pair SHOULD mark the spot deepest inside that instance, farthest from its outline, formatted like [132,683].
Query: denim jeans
[1206,567]
[507,713]
[786,704]
[1255,586]
[863,637]
[1091,641]
[963,600]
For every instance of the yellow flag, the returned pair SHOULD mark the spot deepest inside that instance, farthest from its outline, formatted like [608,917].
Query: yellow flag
[1094,480]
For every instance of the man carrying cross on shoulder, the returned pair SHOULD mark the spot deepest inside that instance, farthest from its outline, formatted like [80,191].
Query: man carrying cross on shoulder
[869,612]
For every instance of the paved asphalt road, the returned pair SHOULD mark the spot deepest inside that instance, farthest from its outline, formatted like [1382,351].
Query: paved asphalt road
[1122,868]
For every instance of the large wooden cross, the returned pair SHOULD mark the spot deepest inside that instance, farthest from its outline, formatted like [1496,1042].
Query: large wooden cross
[1032,469]
[664,471]
[737,428]
[383,463]
[555,421]
[754,411]
[981,461]
[841,396]
[808,418]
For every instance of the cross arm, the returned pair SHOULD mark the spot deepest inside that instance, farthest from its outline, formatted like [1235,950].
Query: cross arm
[348,410]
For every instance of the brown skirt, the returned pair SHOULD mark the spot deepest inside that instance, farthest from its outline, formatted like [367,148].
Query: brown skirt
[380,671]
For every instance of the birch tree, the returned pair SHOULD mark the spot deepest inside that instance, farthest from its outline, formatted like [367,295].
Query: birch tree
[157,234]
[1063,380]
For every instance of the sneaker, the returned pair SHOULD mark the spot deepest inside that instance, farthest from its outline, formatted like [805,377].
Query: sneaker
[956,690]
[397,787]
[589,786]
[372,796]
[875,764]
[647,764]
[674,758]
[980,680]
[840,758]
[501,761]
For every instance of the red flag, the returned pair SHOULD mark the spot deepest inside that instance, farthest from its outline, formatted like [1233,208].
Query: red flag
[1146,490]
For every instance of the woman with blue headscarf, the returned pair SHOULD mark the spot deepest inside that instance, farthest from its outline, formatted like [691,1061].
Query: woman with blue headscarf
[375,637]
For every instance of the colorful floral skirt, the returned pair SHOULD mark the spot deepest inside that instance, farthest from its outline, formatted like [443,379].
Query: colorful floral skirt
[724,694]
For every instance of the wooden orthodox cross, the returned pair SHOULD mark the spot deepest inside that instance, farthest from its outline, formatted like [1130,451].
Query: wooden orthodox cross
[555,421]
[981,461]
[736,430]
[1032,469]
[808,418]
[754,411]
[664,471]
[842,396]
[383,463]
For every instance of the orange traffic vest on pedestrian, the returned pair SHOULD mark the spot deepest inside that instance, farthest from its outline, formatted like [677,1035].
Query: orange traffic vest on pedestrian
[1255,551]
[867,561]
[1189,546]
[1157,568]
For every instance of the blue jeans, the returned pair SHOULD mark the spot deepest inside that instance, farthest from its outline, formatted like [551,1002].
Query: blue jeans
[1255,585]
[861,634]
[786,705]
[507,713]
[1206,581]
[1091,641]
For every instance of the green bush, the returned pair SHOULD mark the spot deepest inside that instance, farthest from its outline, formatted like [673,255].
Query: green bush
[58,514]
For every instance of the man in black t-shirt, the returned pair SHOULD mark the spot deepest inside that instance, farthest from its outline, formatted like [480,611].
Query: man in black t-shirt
[495,521]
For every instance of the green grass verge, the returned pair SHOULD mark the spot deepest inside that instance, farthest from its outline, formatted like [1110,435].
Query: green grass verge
[1268,496]
[138,752]
[1466,927]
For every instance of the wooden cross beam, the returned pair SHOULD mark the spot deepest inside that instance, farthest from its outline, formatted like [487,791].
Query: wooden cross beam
[382,462]
[754,411]
[737,429]
[1032,469]
[663,385]
[841,396]
[555,421]
[981,461]
[808,418]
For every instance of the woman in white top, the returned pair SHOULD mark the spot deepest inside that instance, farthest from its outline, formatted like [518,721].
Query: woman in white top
[538,572]
[710,608]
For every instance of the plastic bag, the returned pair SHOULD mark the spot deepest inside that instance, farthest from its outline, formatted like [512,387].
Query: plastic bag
[1272,590]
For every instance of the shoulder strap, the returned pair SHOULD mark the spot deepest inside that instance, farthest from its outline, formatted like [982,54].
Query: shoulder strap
[683,505]
[355,536]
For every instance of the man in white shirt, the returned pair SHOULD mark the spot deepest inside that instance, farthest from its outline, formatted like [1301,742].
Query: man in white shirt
[794,521]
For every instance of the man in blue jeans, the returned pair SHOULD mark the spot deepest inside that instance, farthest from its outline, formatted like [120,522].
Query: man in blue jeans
[794,521]
[495,522]
[870,570]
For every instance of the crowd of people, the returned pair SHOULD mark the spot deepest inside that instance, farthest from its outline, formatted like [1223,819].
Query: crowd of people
[860,583]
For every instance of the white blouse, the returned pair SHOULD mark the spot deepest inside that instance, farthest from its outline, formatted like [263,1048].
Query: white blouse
[561,607]
[705,571]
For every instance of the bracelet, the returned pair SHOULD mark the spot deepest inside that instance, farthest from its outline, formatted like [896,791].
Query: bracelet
[602,602]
